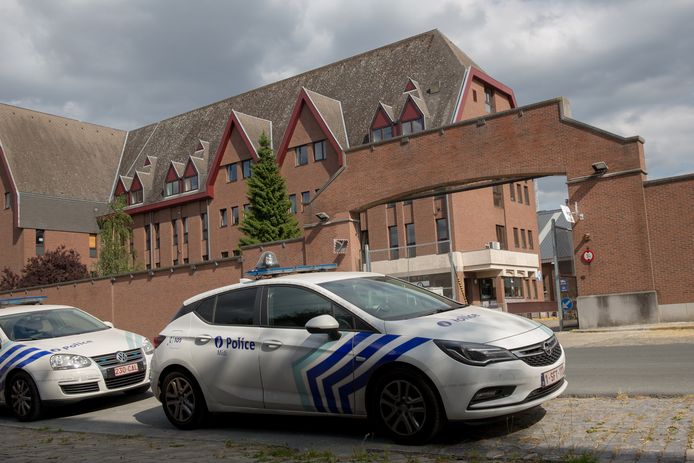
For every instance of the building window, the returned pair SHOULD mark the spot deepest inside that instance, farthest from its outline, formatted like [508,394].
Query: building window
[8,200]
[190,183]
[225,254]
[489,100]
[305,197]
[442,239]
[319,153]
[246,208]
[185,230]
[524,242]
[246,168]
[292,207]
[413,126]
[474,96]
[515,237]
[527,195]
[501,236]
[136,196]
[513,287]
[487,289]
[40,243]
[411,249]
[384,133]
[148,238]
[520,191]
[301,153]
[203,220]
[530,239]
[393,242]
[173,187]
[156,236]
[223,218]
[512,191]
[174,227]
[92,245]
[235,215]
[498,195]
[232,174]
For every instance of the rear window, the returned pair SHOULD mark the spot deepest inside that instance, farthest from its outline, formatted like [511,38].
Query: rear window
[231,308]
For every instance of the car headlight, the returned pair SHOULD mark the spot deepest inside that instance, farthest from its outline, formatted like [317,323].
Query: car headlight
[473,353]
[69,361]
[147,347]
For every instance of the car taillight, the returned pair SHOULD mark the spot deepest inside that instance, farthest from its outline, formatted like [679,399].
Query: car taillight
[158,340]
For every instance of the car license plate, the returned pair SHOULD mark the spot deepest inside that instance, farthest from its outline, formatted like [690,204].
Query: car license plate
[552,376]
[125,369]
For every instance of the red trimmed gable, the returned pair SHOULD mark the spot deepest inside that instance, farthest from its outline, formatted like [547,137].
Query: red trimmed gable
[171,175]
[120,189]
[190,171]
[147,162]
[381,119]
[137,184]
[301,101]
[410,111]
[487,80]
[232,123]
[410,86]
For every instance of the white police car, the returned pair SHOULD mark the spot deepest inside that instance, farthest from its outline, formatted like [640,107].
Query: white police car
[59,354]
[351,344]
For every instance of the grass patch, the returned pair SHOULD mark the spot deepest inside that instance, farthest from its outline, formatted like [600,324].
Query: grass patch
[583,458]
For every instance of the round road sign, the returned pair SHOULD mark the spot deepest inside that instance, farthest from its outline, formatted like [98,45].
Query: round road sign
[588,256]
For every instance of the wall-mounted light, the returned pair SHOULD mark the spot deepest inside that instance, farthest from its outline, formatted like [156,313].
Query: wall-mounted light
[600,167]
[323,217]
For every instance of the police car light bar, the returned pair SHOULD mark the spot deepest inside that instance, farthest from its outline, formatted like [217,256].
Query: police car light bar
[24,300]
[262,272]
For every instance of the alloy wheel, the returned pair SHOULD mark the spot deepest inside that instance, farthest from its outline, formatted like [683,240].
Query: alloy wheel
[402,407]
[179,399]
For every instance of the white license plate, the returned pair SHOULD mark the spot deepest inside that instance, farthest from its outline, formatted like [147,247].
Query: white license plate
[552,376]
[125,369]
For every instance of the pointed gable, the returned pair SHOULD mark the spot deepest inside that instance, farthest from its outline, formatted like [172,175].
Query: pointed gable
[327,112]
[252,128]
[384,116]
[411,85]
[173,173]
[136,184]
[191,170]
[123,185]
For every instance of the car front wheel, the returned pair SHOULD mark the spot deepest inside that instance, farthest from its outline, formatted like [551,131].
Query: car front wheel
[183,402]
[23,397]
[405,406]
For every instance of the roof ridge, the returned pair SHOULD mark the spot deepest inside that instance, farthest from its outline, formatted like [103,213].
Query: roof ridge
[433,33]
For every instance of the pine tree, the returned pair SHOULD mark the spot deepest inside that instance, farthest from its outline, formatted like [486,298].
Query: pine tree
[269,218]
[115,231]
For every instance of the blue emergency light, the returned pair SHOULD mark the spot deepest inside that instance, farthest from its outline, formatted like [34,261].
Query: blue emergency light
[268,265]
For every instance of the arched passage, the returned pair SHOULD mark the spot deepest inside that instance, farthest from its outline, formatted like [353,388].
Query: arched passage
[527,142]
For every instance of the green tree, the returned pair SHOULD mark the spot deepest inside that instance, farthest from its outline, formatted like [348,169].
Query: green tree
[115,231]
[269,218]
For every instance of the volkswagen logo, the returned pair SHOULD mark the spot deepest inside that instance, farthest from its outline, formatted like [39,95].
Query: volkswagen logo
[122,357]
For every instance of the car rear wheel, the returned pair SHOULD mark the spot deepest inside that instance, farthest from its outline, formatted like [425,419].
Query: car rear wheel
[405,406]
[183,402]
[22,396]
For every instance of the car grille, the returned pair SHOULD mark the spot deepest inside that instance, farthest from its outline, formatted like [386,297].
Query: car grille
[540,355]
[109,360]
[127,380]
[80,388]
[543,391]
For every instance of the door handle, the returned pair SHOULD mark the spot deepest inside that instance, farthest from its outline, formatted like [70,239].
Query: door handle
[203,339]
[272,344]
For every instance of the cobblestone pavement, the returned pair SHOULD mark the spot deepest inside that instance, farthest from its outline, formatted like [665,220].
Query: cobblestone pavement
[621,429]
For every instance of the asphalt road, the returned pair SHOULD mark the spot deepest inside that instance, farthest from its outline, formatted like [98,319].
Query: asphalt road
[648,370]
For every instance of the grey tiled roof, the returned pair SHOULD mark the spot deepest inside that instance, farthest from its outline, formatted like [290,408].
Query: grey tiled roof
[64,214]
[357,83]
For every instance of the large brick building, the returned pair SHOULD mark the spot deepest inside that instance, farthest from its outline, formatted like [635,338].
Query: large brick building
[184,177]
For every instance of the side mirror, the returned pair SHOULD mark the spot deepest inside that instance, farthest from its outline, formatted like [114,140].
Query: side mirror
[324,324]
[109,324]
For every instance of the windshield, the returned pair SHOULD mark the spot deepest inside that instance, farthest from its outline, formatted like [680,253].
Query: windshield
[46,324]
[388,298]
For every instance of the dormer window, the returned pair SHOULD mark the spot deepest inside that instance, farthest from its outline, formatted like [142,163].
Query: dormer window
[173,187]
[190,178]
[413,126]
[136,195]
[384,133]
[173,182]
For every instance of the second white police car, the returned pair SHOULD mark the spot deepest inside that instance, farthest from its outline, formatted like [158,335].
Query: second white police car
[359,344]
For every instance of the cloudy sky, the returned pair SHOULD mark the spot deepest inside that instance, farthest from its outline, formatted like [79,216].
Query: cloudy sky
[626,66]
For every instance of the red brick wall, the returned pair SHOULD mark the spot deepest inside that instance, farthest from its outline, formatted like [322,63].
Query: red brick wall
[671,230]
[143,303]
